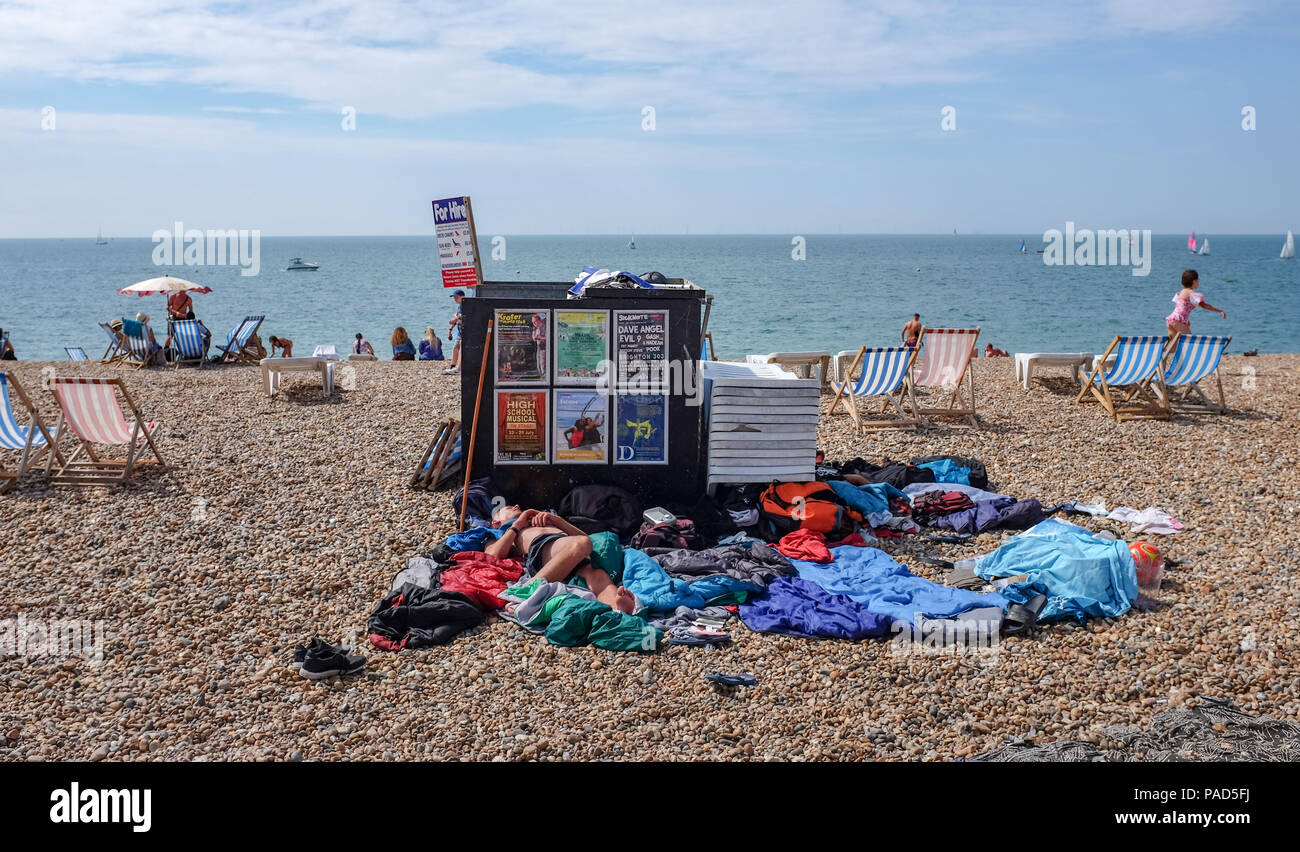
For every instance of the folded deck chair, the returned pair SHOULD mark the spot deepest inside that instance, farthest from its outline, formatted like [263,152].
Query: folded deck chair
[946,363]
[236,346]
[116,350]
[1195,357]
[188,345]
[76,353]
[31,441]
[90,413]
[1137,367]
[140,351]
[884,374]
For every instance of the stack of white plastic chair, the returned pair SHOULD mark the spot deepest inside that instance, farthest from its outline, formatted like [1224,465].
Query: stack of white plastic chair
[762,423]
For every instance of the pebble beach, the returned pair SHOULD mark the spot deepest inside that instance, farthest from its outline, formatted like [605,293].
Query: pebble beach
[279,519]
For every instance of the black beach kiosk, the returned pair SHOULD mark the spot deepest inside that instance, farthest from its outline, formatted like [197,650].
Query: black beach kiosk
[549,420]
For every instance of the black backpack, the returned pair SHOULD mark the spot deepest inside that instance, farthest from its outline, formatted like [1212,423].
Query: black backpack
[602,508]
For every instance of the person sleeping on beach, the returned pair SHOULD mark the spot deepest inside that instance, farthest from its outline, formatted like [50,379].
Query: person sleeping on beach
[555,550]
[991,352]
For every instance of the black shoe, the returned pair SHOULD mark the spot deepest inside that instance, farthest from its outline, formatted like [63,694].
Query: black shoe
[300,651]
[323,660]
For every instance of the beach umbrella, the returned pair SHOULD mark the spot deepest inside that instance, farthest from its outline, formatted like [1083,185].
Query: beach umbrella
[164,286]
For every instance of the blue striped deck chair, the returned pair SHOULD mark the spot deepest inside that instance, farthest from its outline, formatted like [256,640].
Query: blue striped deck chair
[76,353]
[1137,367]
[116,350]
[140,350]
[31,441]
[1195,357]
[236,345]
[885,373]
[187,343]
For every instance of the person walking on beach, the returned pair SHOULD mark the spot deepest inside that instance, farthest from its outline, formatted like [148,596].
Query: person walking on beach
[284,344]
[454,332]
[403,348]
[1180,321]
[362,346]
[912,330]
[430,346]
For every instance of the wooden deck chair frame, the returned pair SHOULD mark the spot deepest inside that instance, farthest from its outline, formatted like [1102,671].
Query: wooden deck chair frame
[242,355]
[97,470]
[969,414]
[429,472]
[117,350]
[898,398]
[1145,400]
[1194,399]
[27,457]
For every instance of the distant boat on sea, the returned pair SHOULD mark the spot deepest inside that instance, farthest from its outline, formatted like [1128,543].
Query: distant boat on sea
[1191,243]
[1205,246]
[1288,248]
[99,240]
[632,242]
[298,263]
[1023,249]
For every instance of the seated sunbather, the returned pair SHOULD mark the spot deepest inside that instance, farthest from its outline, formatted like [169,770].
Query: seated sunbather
[555,550]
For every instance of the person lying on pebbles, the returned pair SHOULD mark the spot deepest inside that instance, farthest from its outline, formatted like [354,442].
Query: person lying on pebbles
[555,550]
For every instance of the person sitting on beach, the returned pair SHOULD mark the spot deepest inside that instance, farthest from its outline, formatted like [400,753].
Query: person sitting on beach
[180,306]
[284,344]
[362,346]
[155,351]
[555,550]
[403,348]
[6,349]
[430,346]
[912,331]
[1180,321]
[991,352]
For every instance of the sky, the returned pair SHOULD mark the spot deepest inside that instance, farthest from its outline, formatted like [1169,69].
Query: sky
[668,117]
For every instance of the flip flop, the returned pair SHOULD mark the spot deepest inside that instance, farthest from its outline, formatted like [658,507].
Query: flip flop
[732,680]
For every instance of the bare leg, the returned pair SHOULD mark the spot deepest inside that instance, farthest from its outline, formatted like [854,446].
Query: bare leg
[563,555]
[615,597]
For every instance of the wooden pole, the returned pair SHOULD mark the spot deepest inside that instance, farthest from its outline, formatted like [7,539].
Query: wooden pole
[473,429]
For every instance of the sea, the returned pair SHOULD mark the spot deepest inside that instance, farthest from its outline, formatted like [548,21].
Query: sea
[771,292]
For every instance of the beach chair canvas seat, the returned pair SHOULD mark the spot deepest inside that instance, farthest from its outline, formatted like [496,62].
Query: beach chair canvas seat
[236,347]
[140,350]
[1194,358]
[90,413]
[76,353]
[188,345]
[884,374]
[31,441]
[1136,366]
[944,364]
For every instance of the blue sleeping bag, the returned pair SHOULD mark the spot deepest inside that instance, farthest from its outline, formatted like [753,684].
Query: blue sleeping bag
[872,578]
[800,607]
[869,499]
[659,593]
[1082,574]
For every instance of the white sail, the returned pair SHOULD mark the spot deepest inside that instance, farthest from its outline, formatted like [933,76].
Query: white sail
[1205,246]
[1288,249]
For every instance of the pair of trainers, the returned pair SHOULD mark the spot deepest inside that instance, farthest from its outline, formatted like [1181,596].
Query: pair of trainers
[318,660]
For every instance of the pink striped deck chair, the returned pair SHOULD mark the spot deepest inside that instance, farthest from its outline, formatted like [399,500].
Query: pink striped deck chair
[89,410]
[945,364]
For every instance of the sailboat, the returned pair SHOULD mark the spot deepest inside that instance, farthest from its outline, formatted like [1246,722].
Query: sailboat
[1191,243]
[1205,246]
[1288,248]
[632,242]
[1023,249]
[99,239]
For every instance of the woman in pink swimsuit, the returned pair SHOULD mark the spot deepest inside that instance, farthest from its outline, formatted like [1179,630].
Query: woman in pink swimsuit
[1180,321]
